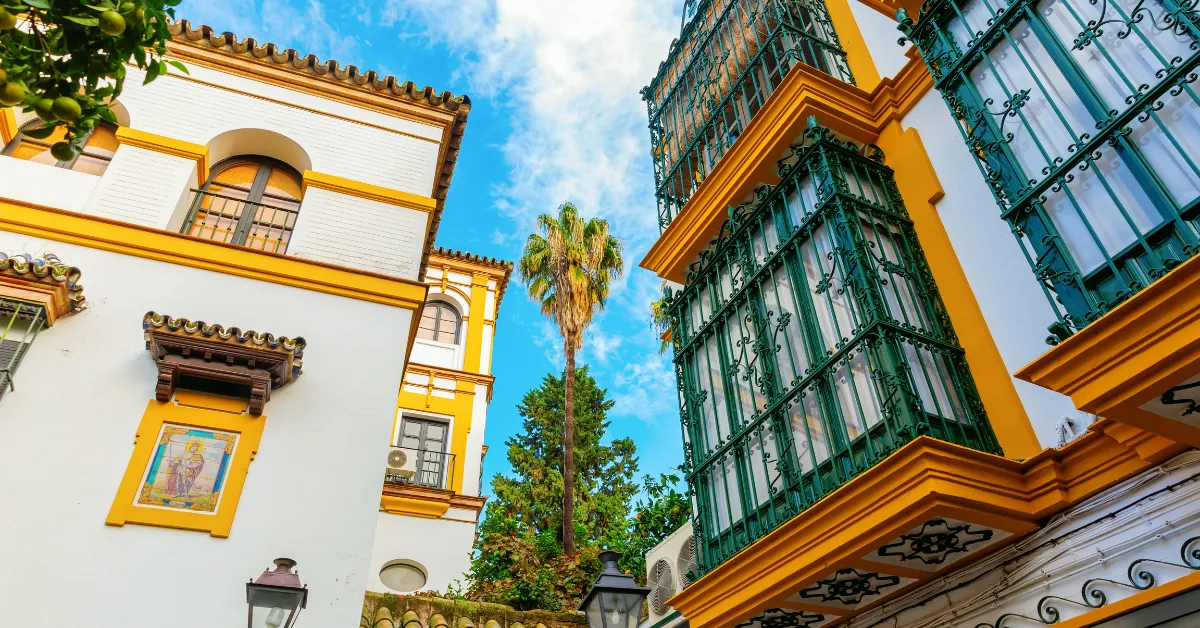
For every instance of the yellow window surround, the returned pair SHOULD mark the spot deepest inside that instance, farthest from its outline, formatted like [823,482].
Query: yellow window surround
[8,125]
[202,412]
[369,191]
[460,408]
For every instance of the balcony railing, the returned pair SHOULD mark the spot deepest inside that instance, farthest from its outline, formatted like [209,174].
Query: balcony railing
[810,344]
[239,221]
[730,57]
[419,467]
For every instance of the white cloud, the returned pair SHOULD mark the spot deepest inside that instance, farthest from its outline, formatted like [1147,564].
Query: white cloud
[645,389]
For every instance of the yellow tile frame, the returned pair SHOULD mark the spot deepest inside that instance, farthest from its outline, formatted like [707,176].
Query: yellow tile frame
[201,411]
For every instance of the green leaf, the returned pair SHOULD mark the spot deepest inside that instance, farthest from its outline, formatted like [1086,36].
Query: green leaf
[38,4]
[100,7]
[152,72]
[40,133]
[107,115]
[86,21]
[179,66]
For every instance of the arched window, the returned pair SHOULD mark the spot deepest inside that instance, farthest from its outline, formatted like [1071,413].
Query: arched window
[248,200]
[439,322]
[98,148]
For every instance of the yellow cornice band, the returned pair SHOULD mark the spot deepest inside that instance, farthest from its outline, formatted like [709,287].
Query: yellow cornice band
[174,248]
[169,146]
[8,125]
[425,509]
[369,191]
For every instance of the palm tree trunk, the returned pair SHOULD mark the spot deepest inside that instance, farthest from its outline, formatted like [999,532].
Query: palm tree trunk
[569,453]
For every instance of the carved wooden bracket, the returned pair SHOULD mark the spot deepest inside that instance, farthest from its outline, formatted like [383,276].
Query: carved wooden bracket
[180,348]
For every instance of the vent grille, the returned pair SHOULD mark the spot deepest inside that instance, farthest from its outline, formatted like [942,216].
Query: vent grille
[662,586]
[687,562]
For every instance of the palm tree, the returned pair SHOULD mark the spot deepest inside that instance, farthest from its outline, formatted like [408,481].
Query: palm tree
[568,268]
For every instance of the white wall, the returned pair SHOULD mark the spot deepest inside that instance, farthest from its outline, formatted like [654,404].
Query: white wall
[1013,304]
[66,435]
[144,187]
[184,109]
[441,546]
[43,184]
[880,34]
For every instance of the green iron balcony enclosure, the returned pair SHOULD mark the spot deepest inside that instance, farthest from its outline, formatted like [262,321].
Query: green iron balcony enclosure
[1083,117]
[730,56]
[20,322]
[810,343]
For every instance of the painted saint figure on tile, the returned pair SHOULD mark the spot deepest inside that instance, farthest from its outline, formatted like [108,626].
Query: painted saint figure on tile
[188,469]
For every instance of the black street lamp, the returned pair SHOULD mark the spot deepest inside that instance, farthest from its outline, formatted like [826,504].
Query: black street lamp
[276,598]
[615,601]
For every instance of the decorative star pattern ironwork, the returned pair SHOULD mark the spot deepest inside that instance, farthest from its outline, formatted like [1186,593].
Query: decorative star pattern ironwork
[935,541]
[850,586]
[779,618]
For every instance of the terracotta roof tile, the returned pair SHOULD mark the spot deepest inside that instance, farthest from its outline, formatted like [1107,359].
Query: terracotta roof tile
[411,611]
[283,344]
[45,269]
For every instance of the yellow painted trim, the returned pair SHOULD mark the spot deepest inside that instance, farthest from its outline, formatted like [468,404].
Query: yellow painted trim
[8,125]
[461,408]
[921,190]
[805,92]
[858,56]
[413,507]
[473,350]
[926,478]
[174,248]
[218,524]
[194,399]
[1132,354]
[1134,602]
[350,187]
[169,146]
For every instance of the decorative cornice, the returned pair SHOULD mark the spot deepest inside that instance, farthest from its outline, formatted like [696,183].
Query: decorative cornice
[500,269]
[422,501]
[181,347]
[45,280]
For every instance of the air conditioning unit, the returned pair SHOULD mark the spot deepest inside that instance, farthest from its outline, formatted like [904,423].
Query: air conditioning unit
[401,467]
[686,562]
[662,586]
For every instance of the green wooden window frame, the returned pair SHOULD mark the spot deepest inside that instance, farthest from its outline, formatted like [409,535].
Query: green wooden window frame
[20,322]
[811,343]
[1083,117]
[729,57]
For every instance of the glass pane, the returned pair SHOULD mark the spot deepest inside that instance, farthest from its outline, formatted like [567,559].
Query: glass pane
[234,176]
[447,325]
[428,324]
[856,395]
[90,165]
[808,430]
[282,185]
[101,143]
[761,454]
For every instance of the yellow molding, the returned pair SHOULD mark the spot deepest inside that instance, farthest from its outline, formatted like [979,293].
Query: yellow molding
[210,402]
[168,145]
[805,92]
[174,248]
[412,507]
[920,189]
[1130,355]
[926,478]
[125,510]
[369,191]
[473,350]
[8,125]
[858,56]
[1134,602]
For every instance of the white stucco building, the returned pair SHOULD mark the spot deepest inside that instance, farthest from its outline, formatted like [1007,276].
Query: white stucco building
[206,323]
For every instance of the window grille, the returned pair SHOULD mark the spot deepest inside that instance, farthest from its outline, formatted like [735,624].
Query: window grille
[1083,117]
[20,322]
[810,343]
[250,201]
[730,56]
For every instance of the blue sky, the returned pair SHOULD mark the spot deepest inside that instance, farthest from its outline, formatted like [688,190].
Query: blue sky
[556,116]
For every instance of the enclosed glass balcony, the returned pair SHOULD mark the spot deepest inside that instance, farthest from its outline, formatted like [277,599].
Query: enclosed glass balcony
[730,56]
[811,343]
[1084,118]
